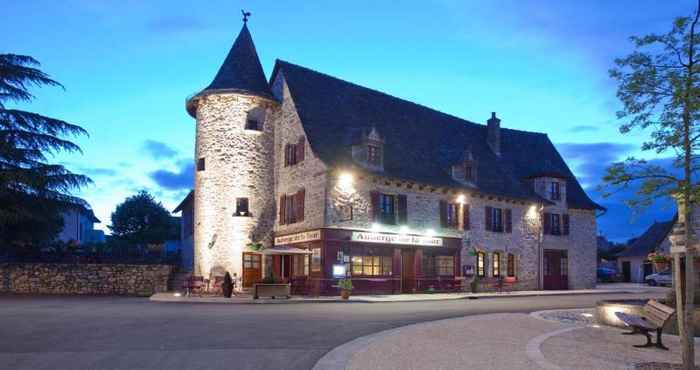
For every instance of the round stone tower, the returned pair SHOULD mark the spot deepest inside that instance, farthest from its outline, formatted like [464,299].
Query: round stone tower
[234,204]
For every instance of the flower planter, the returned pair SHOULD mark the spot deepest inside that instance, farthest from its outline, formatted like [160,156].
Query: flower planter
[271,290]
[344,294]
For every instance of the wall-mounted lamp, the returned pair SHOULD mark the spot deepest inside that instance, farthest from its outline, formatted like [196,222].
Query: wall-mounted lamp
[430,232]
[345,180]
[461,199]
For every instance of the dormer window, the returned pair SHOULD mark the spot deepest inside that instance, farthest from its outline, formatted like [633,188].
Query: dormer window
[554,190]
[468,172]
[373,155]
[464,169]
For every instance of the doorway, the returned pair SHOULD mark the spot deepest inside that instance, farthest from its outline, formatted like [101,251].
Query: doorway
[626,271]
[252,271]
[555,267]
[408,273]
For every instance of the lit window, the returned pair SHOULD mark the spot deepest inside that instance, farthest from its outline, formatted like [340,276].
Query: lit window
[300,265]
[480,264]
[496,263]
[371,265]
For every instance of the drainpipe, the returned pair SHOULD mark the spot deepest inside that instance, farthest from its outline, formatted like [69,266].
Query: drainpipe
[540,252]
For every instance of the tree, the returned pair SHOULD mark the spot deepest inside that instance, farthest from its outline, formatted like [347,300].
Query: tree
[33,192]
[140,220]
[658,86]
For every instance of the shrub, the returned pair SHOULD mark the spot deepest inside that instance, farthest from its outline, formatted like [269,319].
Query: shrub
[345,284]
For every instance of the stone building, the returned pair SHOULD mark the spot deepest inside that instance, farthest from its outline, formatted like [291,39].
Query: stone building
[310,178]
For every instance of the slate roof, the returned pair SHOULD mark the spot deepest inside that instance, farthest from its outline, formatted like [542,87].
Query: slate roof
[183,204]
[241,70]
[647,242]
[421,143]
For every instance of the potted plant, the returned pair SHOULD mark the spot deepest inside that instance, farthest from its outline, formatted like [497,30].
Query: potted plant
[660,261]
[346,287]
[227,286]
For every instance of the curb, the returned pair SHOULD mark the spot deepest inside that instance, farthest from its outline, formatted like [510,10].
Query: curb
[170,298]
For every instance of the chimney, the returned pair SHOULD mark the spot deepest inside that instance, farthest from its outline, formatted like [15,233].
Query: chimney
[493,133]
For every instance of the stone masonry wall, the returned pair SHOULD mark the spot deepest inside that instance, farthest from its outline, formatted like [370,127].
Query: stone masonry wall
[309,174]
[87,279]
[238,164]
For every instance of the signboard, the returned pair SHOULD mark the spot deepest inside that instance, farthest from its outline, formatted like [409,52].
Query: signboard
[306,236]
[468,270]
[367,237]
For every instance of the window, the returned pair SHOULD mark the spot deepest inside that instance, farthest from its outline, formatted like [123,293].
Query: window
[497,220]
[452,216]
[316,260]
[291,208]
[496,263]
[386,209]
[564,267]
[300,265]
[510,267]
[251,261]
[438,265]
[480,264]
[468,172]
[200,164]
[556,224]
[374,155]
[242,207]
[371,265]
[253,124]
[294,153]
[554,190]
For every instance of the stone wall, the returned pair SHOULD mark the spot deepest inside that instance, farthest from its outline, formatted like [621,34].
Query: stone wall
[309,174]
[84,279]
[238,164]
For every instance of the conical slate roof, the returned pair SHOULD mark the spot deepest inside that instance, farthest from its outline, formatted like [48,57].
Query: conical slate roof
[241,69]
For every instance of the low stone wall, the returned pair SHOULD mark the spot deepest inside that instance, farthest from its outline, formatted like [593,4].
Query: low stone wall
[87,279]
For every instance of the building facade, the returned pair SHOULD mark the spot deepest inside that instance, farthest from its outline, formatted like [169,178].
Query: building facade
[310,179]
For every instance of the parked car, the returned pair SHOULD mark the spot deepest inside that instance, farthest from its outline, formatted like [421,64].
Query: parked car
[606,274]
[659,278]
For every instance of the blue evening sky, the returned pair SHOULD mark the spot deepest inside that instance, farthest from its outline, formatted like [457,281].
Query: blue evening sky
[128,66]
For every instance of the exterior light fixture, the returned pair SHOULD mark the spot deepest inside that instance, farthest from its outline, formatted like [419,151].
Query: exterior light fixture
[177,294]
[376,227]
[404,230]
[430,232]
[461,199]
[346,180]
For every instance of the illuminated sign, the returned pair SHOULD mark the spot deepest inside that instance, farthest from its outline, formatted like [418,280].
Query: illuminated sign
[299,237]
[359,236]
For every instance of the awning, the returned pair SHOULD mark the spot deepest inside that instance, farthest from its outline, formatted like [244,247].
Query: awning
[283,249]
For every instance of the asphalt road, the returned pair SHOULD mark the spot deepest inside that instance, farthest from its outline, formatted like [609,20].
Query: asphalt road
[133,333]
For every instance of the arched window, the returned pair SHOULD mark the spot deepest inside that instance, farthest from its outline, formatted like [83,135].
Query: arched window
[480,264]
[510,266]
[496,264]
[255,119]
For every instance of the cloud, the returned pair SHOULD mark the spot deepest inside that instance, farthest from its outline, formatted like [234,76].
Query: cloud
[175,24]
[159,150]
[583,128]
[94,171]
[182,179]
[591,160]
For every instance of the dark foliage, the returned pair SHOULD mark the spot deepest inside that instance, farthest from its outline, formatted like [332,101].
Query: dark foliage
[141,220]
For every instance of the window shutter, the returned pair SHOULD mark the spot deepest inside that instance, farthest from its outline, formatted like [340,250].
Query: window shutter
[403,211]
[300,149]
[443,213]
[283,205]
[488,222]
[301,195]
[465,217]
[508,214]
[565,222]
[547,223]
[286,155]
[374,198]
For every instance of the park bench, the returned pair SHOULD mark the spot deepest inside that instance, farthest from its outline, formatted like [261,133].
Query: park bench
[655,315]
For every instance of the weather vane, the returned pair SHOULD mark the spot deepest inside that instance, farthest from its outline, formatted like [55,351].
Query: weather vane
[245,16]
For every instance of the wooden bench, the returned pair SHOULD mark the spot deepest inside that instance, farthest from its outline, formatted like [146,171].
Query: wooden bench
[654,317]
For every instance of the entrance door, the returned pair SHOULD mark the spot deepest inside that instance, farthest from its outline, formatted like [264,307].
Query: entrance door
[626,271]
[408,274]
[252,271]
[648,270]
[555,266]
